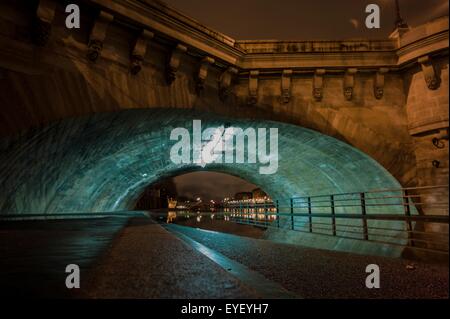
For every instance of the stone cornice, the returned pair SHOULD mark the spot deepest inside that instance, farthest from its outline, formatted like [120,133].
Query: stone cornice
[320,46]
[172,25]
[428,45]
[319,60]
[268,56]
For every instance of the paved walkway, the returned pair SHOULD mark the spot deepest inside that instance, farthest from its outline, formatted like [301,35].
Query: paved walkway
[137,258]
[146,261]
[315,273]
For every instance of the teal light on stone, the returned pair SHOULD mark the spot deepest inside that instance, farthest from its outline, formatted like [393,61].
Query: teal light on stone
[102,163]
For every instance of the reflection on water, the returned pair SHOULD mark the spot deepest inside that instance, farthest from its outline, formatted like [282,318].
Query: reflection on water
[171,217]
[227,214]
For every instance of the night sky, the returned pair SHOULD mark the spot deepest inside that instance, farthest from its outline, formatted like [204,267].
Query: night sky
[290,20]
[210,185]
[304,19]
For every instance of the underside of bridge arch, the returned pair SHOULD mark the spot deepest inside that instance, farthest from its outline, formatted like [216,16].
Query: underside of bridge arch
[102,163]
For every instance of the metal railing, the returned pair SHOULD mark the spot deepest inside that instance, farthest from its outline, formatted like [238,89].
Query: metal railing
[415,217]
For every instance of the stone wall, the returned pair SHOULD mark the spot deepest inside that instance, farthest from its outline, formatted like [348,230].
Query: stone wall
[427,111]
[378,127]
[394,125]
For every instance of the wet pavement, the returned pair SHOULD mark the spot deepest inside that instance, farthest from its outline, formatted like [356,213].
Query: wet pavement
[34,254]
[139,258]
[265,288]
[146,261]
[316,273]
[223,226]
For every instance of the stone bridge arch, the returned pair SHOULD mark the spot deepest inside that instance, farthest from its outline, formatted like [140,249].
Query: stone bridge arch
[152,56]
[99,163]
[77,89]
[103,162]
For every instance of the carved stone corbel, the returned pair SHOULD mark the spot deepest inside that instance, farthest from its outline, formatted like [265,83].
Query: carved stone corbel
[43,22]
[98,35]
[174,63]
[429,73]
[318,84]
[286,86]
[440,137]
[379,83]
[139,50]
[349,83]
[203,73]
[253,87]
[225,80]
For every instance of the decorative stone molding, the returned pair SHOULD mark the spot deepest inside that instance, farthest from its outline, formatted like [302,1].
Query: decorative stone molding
[318,84]
[253,87]
[225,80]
[436,163]
[203,73]
[379,83]
[440,137]
[174,63]
[43,22]
[429,73]
[286,85]
[139,50]
[349,83]
[98,35]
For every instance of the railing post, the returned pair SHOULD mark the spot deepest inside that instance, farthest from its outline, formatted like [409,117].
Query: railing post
[310,215]
[265,213]
[363,213]
[278,213]
[407,209]
[241,212]
[292,214]
[333,215]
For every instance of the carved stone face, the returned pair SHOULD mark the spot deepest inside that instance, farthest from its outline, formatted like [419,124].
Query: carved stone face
[285,97]
[432,82]
[318,94]
[252,100]
[95,47]
[200,86]
[348,93]
[378,93]
[224,93]
[171,75]
[136,64]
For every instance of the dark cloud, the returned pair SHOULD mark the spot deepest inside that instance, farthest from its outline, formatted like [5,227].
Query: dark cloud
[210,185]
[304,19]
